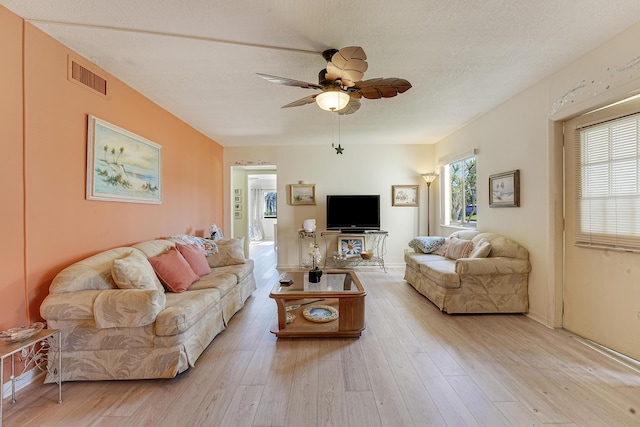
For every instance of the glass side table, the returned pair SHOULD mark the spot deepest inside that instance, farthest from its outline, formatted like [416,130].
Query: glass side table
[31,355]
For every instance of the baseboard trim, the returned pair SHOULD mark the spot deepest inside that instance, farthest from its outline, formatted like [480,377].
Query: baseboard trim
[627,361]
[24,380]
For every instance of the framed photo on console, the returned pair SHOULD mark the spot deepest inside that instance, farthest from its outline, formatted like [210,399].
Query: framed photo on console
[351,246]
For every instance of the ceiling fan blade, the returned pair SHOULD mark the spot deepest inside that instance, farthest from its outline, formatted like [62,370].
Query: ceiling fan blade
[303,101]
[289,82]
[382,88]
[347,65]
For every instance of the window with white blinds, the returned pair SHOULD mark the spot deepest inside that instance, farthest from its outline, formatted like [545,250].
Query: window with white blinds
[608,187]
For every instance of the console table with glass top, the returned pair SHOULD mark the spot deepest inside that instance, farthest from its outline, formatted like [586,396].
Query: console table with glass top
[31,354]
[373,241]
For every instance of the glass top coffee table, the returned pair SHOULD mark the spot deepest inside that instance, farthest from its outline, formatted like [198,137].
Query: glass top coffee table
[332,308]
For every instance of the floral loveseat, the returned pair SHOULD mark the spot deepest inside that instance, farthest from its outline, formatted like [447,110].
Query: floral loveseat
[119,322]
[470,272]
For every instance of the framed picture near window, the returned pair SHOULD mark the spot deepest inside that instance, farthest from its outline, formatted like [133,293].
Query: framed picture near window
[237,199]
[303,194]
[504,189]
[351,246]
[237,206]
[404,195]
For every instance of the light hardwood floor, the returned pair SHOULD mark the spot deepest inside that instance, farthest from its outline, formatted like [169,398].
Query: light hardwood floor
[413,366]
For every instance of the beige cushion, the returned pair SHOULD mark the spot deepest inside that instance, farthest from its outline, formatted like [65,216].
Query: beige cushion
[183,310]
[481,249]
[230,252]
[135,272]
[459,248]
[127,308]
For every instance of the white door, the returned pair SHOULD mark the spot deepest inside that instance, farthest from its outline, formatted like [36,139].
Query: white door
[601,286]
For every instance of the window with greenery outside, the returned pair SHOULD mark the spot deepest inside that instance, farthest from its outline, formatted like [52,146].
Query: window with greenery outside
[462,182]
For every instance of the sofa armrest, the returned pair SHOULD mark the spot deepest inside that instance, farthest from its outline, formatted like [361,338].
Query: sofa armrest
[69,305]
[127,308]
[495,265]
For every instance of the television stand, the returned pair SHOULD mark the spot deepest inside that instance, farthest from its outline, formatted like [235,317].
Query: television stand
[349,246]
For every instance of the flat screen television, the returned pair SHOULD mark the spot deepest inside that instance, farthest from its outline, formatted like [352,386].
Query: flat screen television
[353,213]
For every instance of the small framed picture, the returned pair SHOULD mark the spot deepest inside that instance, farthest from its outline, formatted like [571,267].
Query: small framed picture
[351,246]
[504,189]
[404,195]
[237,215]
[303,194]
[237,192]
[237,207]
[237,199]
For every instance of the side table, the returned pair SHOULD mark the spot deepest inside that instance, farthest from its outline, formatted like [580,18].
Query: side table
[31,356]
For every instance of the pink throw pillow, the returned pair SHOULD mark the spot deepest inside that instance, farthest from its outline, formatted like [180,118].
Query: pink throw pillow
[173,270]
[459,248]
[195,257]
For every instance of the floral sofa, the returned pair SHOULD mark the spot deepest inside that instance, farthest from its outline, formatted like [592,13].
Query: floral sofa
[470,272]
[146,311]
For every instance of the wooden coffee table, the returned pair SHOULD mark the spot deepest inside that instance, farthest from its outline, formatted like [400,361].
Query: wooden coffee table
[338,289]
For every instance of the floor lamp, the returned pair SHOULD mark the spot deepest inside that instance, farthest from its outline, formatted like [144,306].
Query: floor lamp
[428,178]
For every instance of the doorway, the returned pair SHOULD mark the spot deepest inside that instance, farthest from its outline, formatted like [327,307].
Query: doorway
[253,205]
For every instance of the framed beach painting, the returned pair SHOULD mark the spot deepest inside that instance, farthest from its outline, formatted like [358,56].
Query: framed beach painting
[303,194]
[504,190]
[122,166]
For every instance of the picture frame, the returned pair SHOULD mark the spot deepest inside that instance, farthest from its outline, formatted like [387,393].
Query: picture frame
[237,199]
[237,206]
[237,215]
[504,189]
[237,192]
[122,166]
[303,194]
[404,195]
[351,246]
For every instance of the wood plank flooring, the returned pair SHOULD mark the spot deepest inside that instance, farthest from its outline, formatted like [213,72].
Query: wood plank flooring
[413,366]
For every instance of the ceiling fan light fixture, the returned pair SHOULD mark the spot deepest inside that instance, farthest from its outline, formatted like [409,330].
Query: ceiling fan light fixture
[333,100]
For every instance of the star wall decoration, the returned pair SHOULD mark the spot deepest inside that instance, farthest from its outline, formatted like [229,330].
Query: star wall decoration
[338,149]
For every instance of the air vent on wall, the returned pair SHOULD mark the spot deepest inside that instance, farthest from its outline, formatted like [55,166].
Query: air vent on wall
[88,78]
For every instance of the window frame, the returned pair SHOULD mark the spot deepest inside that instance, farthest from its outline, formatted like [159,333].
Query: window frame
[447,196]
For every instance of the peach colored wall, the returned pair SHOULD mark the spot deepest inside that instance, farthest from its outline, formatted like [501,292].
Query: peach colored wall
[12,281]
[59,225]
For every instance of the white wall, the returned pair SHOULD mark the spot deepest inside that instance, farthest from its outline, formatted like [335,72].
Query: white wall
[361,169]
[523,133]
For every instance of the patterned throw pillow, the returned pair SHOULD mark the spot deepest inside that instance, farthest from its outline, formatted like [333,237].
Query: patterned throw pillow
[459,248]
[426,244]
[230,252]
[134,272]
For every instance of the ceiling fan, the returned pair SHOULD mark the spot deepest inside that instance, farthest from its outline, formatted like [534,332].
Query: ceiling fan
[340,83]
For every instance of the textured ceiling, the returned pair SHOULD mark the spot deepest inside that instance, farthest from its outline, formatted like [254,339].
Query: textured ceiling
[198,59]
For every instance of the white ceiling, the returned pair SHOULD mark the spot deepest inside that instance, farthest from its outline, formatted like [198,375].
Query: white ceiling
[199,58]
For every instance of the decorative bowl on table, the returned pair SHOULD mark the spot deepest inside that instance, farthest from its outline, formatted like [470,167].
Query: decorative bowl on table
[366,254]
[320,313]
[21,333]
